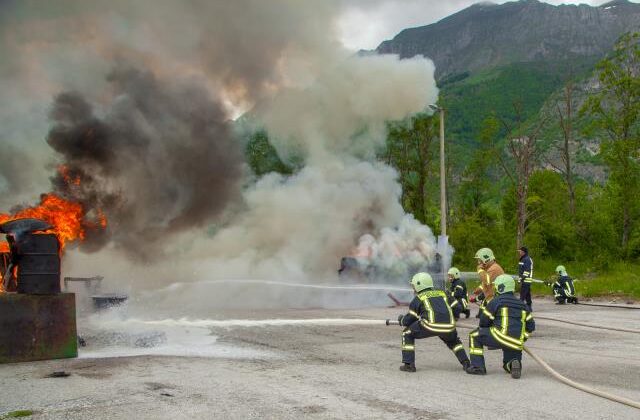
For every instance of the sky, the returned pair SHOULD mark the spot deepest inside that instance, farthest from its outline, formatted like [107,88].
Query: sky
[366,23]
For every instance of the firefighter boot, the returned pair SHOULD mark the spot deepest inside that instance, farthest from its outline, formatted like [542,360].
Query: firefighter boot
[516,369]
[465,365]
[475,370]
[408,367]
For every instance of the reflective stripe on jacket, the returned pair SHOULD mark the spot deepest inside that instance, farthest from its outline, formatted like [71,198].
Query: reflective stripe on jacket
[508,320]
[432,309]
[525,269]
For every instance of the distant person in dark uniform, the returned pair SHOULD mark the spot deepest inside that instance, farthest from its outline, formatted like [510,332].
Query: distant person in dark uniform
[525,272]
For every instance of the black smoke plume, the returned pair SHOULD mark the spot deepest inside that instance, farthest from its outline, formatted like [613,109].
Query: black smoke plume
[157,159]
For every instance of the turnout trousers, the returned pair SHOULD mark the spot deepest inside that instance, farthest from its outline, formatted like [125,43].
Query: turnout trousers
[416,330]
[481,337]
[525,294]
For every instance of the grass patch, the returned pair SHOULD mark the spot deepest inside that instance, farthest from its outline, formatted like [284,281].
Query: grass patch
[17,414]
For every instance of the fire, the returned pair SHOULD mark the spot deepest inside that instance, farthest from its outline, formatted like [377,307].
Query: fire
[65,217]
[68,218]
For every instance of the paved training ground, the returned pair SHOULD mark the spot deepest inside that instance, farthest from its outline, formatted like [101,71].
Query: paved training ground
[347,371]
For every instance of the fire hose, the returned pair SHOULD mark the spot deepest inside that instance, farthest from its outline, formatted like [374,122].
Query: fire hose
[581,324]
[559,377]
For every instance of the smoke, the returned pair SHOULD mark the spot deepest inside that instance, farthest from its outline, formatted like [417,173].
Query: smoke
[143,96]
[161,159]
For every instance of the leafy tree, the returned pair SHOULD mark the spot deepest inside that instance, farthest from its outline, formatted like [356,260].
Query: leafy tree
[410,150]
[615,115]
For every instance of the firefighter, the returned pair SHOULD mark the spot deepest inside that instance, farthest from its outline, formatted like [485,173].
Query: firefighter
[488,270]
[505,323]
[429,316]
[459,299]
[563,288]
[525,273]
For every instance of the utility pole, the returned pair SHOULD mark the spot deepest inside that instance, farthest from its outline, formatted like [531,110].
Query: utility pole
[443,240]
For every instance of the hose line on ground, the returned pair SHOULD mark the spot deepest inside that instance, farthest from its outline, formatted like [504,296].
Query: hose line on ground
[581,324]
[567,381]
[592,391]
[604,305]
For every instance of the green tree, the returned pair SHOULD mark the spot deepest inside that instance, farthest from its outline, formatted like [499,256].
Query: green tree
[615,114]
[410,150]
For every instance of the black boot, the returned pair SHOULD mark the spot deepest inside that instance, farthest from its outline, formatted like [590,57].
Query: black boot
[516,369]
[408,367]
[475,370]
[465,365]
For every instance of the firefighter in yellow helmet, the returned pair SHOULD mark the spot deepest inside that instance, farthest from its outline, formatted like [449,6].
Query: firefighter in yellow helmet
[429,316]
[458,297]
[488,270]
[505,323]
[563,289]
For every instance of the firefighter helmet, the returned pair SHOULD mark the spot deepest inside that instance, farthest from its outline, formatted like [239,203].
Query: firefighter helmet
[454,272]
[561,270]
[421,281]
[485,255]
[504,283]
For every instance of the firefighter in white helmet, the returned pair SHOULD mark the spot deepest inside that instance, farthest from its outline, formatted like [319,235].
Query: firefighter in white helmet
[505,323]
[429,316]
[458,297]
[563,289]
[488,271]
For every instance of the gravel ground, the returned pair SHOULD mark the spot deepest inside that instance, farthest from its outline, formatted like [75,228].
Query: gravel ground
[329,371]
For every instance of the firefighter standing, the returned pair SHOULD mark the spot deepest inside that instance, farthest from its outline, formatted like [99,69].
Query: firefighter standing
[525,272]
[505,323]
[488,271]
[563,289]
[459,299]
[429,316]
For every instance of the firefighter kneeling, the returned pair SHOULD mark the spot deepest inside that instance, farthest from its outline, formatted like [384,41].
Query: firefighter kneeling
[505,323]
[563,289]
[429,316]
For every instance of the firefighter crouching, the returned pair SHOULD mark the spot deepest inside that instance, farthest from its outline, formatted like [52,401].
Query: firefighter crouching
[458,299]
[429,316]
[563,289]
[488,271]
[505,323]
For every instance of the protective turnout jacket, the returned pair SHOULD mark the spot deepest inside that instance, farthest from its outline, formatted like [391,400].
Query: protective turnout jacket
[431,308]
[487,276]
[525,269]
[459,296]
[508,320]
[564,287]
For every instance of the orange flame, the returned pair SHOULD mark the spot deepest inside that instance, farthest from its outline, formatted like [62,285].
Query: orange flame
[65,217]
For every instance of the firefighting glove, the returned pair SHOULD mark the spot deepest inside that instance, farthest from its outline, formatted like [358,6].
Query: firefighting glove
[400,319]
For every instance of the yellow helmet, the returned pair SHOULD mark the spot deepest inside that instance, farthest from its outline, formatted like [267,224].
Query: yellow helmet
[485,255]
[421,281]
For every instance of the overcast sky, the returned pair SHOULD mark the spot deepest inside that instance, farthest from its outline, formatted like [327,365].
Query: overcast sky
[368,22]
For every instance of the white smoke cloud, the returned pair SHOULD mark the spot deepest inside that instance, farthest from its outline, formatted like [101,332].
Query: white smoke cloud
[315,101]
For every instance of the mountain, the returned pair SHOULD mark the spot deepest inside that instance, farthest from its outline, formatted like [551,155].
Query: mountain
[488,35]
